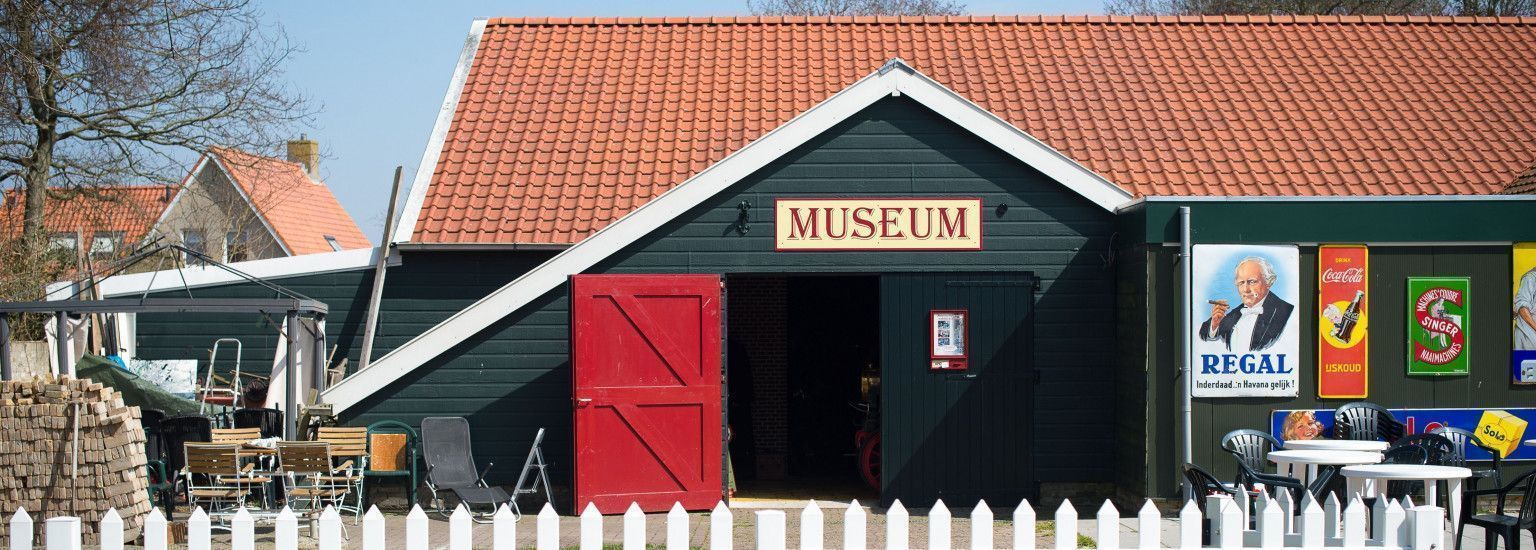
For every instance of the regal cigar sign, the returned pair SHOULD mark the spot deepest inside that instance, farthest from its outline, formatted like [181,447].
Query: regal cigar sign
[878,224]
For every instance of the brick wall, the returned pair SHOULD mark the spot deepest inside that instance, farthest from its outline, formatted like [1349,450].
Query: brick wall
[757,313]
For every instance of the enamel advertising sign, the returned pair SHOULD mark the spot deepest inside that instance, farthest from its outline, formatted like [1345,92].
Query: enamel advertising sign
[1245,333]
[1342,277]
[1523,357]
[877,224]
[1438,310]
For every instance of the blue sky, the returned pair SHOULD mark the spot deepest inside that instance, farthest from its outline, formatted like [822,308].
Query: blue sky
[378,72]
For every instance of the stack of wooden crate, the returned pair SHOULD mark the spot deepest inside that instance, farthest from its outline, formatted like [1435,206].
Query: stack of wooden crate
[71,448]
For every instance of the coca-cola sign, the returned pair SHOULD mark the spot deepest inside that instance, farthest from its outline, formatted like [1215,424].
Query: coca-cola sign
[1343,322]
[1437,325]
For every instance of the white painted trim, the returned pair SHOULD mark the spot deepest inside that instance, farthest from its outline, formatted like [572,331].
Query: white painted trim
[428,165]
[893,79]
[134,284]
[1330,198]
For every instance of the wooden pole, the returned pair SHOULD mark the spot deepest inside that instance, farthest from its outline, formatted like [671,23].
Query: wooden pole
[5,348]
[372,319]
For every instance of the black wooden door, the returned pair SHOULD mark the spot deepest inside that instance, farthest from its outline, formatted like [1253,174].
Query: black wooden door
[959,436]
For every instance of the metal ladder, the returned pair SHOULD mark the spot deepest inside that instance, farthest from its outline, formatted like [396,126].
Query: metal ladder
[209,390]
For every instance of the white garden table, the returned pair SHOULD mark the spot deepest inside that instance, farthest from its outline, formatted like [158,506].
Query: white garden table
[1336,445]
[1365,481]
[1287,460]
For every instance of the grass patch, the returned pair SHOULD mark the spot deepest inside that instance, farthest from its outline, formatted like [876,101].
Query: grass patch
[1045,528]
[1084,542]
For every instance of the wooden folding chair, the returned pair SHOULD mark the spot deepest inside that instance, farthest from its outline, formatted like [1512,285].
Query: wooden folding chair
[238,436]
[216,478]
[349,445]
[310,478]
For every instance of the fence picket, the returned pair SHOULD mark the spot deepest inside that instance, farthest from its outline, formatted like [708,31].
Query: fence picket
[1331,510]
[417,529]
[896,534]
[1288,509]
[459,536]
[1227,522]
[1272,519]
[1024,526]
[1378,517]
[939,526]
[854,528]
[199,531]
[286,533]
[329,529]
[770,530]
[1428,524]
[503,529]
[111,530]
[981,526]
[677,527]
[1190,525]
[1149,526]
[1392,527]
[591,528]
[21,530]
[1312,533]
[547,536]
[1354,524]
[634,528]
[62,533]
[720,527]
[1066,525]
[812,527]
[373,529]
[1109,525]
[242,530]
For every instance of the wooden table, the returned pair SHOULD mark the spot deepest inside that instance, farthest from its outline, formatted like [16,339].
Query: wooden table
[1335,445]
[1366,481]
[1287,460]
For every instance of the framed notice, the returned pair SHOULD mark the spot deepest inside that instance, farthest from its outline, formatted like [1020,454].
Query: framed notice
[1523,316]
[947,338]
[1342,322]
[1245,333]
[1438,310]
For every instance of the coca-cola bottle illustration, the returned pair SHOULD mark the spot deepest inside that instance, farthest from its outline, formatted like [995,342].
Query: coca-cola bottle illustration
[1346,328]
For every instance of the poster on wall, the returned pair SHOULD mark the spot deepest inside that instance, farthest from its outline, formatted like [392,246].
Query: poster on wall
[1499,429]
[1523,357]
[1245,335]
[947,339]
[1438,310]
[1342,324]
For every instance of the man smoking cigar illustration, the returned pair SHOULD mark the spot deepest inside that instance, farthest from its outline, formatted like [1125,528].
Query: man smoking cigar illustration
[1258,323]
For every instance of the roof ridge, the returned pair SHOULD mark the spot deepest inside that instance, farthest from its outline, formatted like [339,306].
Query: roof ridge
[1011,19]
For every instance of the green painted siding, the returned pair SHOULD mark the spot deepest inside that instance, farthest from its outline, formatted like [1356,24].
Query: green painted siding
[1130,434]
[1487,386]
[1362,220]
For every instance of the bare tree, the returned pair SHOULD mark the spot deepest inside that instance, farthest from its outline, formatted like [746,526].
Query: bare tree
[1321,7]
[855,7]
[100,92]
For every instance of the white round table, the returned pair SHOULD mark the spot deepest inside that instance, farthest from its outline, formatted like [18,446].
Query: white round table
[1365,480]
[1336,445]
[1287,460]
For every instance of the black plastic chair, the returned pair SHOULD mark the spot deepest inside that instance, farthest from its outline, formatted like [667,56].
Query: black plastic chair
[154,449]
[1498,524]
[451,467]
[1250,446]
[1363,421]
[1438,450]
[175,433]
[1248,478]
[269,421]
[1462,439]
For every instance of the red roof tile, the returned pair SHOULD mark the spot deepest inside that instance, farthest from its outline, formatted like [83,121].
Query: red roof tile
[301,211]
[1523,185]
[130,210]
[564,125]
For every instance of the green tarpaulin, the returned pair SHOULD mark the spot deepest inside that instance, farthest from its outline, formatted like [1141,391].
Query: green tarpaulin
[136,391]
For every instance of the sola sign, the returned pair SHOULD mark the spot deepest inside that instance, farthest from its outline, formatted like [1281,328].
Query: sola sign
[877,224]
[1342,320]
[1438,310]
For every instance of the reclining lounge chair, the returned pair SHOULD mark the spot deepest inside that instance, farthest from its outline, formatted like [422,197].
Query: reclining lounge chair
[451,468]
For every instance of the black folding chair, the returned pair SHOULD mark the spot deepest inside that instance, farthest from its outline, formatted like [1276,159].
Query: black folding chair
[451,467]
[269,421]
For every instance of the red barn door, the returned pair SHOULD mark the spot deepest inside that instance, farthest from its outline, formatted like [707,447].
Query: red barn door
[646,358]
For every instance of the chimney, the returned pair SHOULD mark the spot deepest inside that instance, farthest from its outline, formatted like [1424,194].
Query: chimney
[306,152]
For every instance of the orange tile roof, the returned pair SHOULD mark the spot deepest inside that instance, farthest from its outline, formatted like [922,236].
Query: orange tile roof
[1523,185]
[564,125]
[300,210]
[128,209]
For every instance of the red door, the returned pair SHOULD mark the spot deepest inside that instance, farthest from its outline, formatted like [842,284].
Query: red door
[646,357]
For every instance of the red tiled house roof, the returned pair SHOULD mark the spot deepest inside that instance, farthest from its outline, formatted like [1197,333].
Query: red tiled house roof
[300,211]
[130,210]
[1523,185]
[564,125]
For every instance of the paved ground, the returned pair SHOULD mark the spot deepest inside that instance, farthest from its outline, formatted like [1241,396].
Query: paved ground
[745,530]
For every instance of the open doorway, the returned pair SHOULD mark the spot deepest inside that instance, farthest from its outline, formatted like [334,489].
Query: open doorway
[803,365]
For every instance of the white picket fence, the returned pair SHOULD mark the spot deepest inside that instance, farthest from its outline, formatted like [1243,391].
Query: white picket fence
[1268,523]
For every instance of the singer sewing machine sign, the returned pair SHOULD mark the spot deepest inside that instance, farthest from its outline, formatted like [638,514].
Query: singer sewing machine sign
[1342,274]
[1438,310]
[1244,332]
[877,224]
